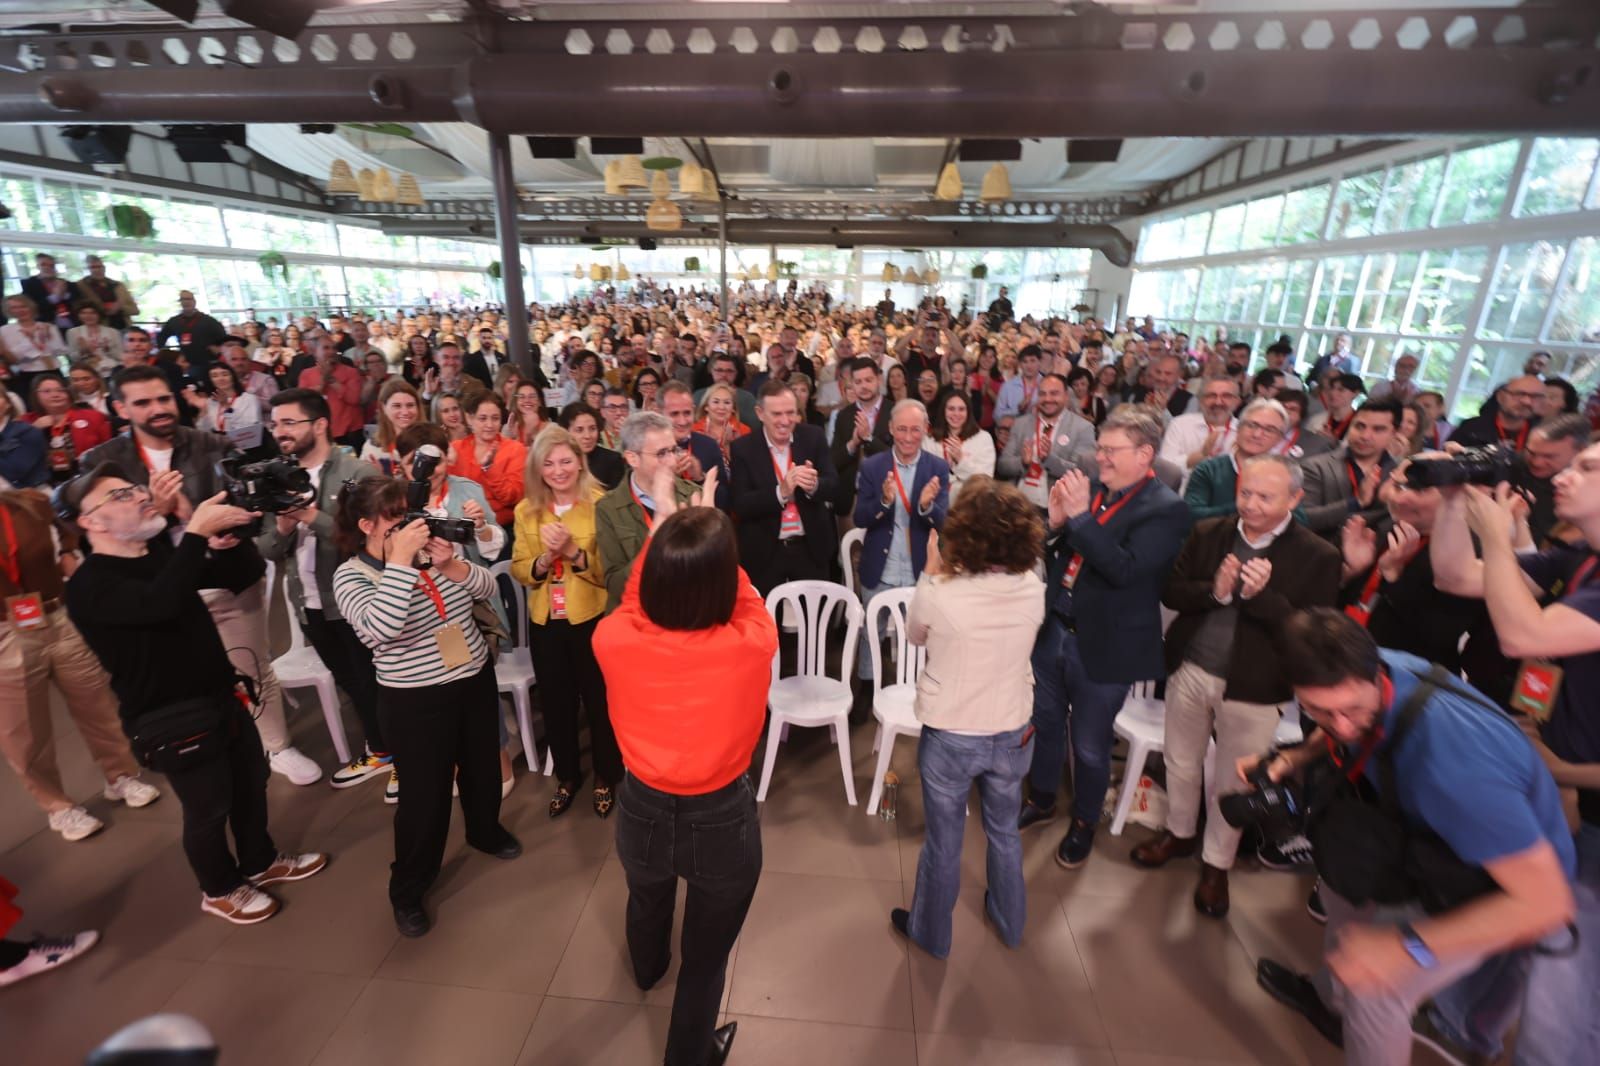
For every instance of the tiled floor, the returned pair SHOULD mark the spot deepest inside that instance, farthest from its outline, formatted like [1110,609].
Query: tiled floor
[526,964]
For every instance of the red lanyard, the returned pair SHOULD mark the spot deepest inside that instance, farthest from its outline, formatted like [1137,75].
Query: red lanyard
[1579,577]
[1103,517]
[12,567]
[643,510]
[1041,439]
[558,564]
[1355,476]
[144,456]
[1339,429]
[1522,434]
[1287,448]
[1361,610]
[1370,744]
[905,499]
[425,583]
[782,470]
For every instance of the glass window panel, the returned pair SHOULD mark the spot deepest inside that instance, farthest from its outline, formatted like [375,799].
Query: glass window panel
[1245,294]
[1297,292]
[1226,230]
[1355,213]
[1521,290]
[1337,292]
[1559,169]
[1408,201]
[1577,314]
[22,196]
[1192,234]
[1261,222]
[190,223]
[1447,285]
[1274,285]
[61,208]
[1475,184]
[1168,295]
[1304,211]
[1213,296]
[1385,291]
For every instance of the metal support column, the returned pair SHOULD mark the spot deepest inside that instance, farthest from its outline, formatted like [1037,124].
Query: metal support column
[505,224]
[722,252]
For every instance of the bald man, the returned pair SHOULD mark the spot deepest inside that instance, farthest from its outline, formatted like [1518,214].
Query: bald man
[1508,425]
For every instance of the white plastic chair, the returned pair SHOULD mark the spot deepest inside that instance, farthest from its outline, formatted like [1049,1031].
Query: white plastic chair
[855,538]
[1142,723]
[811,697]
[302,667]
[894,696]
[513,670]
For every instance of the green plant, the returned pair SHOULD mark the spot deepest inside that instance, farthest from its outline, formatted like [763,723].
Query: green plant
[131,220]
[661,162]
[980,271]
[273,261]
[692,264]
[788,268]
[493,270]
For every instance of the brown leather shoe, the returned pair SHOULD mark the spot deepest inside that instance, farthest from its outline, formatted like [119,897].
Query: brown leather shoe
[1162,849]
[1211,895]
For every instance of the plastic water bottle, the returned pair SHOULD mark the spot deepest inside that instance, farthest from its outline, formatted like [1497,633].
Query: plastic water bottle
[886,802]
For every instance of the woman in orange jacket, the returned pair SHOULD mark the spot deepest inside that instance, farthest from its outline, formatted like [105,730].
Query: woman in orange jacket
[484,456]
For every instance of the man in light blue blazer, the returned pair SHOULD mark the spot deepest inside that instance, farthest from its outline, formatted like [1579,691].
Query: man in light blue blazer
[901,495]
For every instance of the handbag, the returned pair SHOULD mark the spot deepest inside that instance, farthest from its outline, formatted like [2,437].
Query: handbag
[1368,851]
[182,736]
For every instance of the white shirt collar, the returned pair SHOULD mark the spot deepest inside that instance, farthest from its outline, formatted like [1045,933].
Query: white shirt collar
[1266,541]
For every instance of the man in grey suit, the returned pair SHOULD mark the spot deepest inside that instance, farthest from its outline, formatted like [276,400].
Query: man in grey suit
[1346,482]
[1047,442]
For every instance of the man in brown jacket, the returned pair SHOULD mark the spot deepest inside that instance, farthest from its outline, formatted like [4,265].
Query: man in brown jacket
[1236,581]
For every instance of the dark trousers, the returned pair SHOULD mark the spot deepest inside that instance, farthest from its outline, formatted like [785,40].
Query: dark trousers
[438,734]
[350,663]
[791,562]
[228,792]
[712,841]
[564,663]
[1069,705]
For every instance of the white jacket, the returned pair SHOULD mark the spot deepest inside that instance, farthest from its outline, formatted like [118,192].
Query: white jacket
[979,631]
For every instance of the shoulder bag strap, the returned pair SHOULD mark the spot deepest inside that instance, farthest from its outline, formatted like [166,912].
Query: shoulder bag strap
[1388,796]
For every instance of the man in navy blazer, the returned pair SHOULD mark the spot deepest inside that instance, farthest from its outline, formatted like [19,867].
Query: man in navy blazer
[901,496]
[786,528]
[1110,546]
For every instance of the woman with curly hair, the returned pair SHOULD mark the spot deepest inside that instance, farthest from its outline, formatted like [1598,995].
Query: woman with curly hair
[976,609]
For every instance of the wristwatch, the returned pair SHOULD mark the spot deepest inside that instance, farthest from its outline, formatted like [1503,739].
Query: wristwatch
[1420,953]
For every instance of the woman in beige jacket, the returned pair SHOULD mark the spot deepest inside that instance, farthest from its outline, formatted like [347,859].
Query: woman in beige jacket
[977,610]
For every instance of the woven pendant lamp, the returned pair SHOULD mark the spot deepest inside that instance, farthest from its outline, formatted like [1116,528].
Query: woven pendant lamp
[578,272]
[596,272]
[930,277]
[663,216]
[341,179]
[949,187]
[708,186]
[622,272]
[691,180]
[383,188]
[772,271]
[613,175]
[630,173]
[910,276]
[409,192]
[660,185]
[366,185]
[890,273]
[996,185]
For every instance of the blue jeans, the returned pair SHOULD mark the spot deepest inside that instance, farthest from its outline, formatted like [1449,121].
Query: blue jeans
[1560,1024]
[1066,701]
[949,763]
[864,645]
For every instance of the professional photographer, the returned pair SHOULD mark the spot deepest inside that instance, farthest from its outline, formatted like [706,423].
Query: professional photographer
[410,599]
[450,496]
[137,602]
[302,543]
[1438,834]
[1546,610]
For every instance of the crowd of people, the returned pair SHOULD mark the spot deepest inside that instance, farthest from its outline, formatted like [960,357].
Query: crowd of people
[1080,507]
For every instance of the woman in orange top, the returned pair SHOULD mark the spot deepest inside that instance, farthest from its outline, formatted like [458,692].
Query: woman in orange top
[488,458]
[528,414]
[687,659]
[718,418]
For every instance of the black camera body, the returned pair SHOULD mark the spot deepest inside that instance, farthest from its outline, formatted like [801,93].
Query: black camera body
[424,461]
[1275,808]
[1475,466]
[270,486]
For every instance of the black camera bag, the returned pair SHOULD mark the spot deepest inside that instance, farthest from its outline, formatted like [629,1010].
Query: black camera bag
[1368,851]
[184,735]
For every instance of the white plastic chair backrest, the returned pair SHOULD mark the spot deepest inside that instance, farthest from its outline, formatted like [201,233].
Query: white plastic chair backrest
[908,658]
[1145,690]
[812,604]
[297,639]
[519,600]
[855,538]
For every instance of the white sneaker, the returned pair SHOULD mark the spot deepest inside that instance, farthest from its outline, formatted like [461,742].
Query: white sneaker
[391,791]
[75,823]
[295,766]
[46,954]
[132,791]
[288,867]
[245,905]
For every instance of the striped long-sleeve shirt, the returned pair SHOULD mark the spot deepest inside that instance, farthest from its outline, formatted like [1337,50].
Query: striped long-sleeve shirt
[396,617]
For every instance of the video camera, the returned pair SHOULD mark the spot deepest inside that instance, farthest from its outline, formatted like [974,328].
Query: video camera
[270,486]
[1474,466]
[424,461]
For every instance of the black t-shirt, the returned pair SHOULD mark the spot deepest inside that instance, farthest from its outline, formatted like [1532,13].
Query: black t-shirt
[144,619]
[1412,615]
[1573,731]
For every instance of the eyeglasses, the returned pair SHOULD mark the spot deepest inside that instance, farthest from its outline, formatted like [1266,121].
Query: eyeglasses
[122,495]
[288,423]
[1101,449]
[1262,427]
[1526,395]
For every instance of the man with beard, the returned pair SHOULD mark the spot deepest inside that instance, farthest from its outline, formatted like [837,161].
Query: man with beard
[179,465]
[1193,438]
[199,335]
[136,601]
[1511,423]
[1046,443]
[302,543]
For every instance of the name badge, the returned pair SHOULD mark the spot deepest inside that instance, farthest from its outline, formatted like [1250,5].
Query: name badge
[1069,576]
[1035,475]
[453,650]
[26,610]
[558,599]
[1535,691]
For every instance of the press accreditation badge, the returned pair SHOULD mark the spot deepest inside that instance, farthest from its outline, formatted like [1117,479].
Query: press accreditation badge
[558,600]
[26,610]
[1536,689]
[453,650]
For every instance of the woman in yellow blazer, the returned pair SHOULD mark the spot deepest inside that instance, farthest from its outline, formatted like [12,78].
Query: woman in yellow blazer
[555,555]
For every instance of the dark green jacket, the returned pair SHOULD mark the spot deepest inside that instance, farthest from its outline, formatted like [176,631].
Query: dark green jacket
[620,533]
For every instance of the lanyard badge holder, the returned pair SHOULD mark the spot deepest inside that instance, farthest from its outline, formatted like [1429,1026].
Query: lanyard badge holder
[25,610]
[452,642]
[1538,681]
